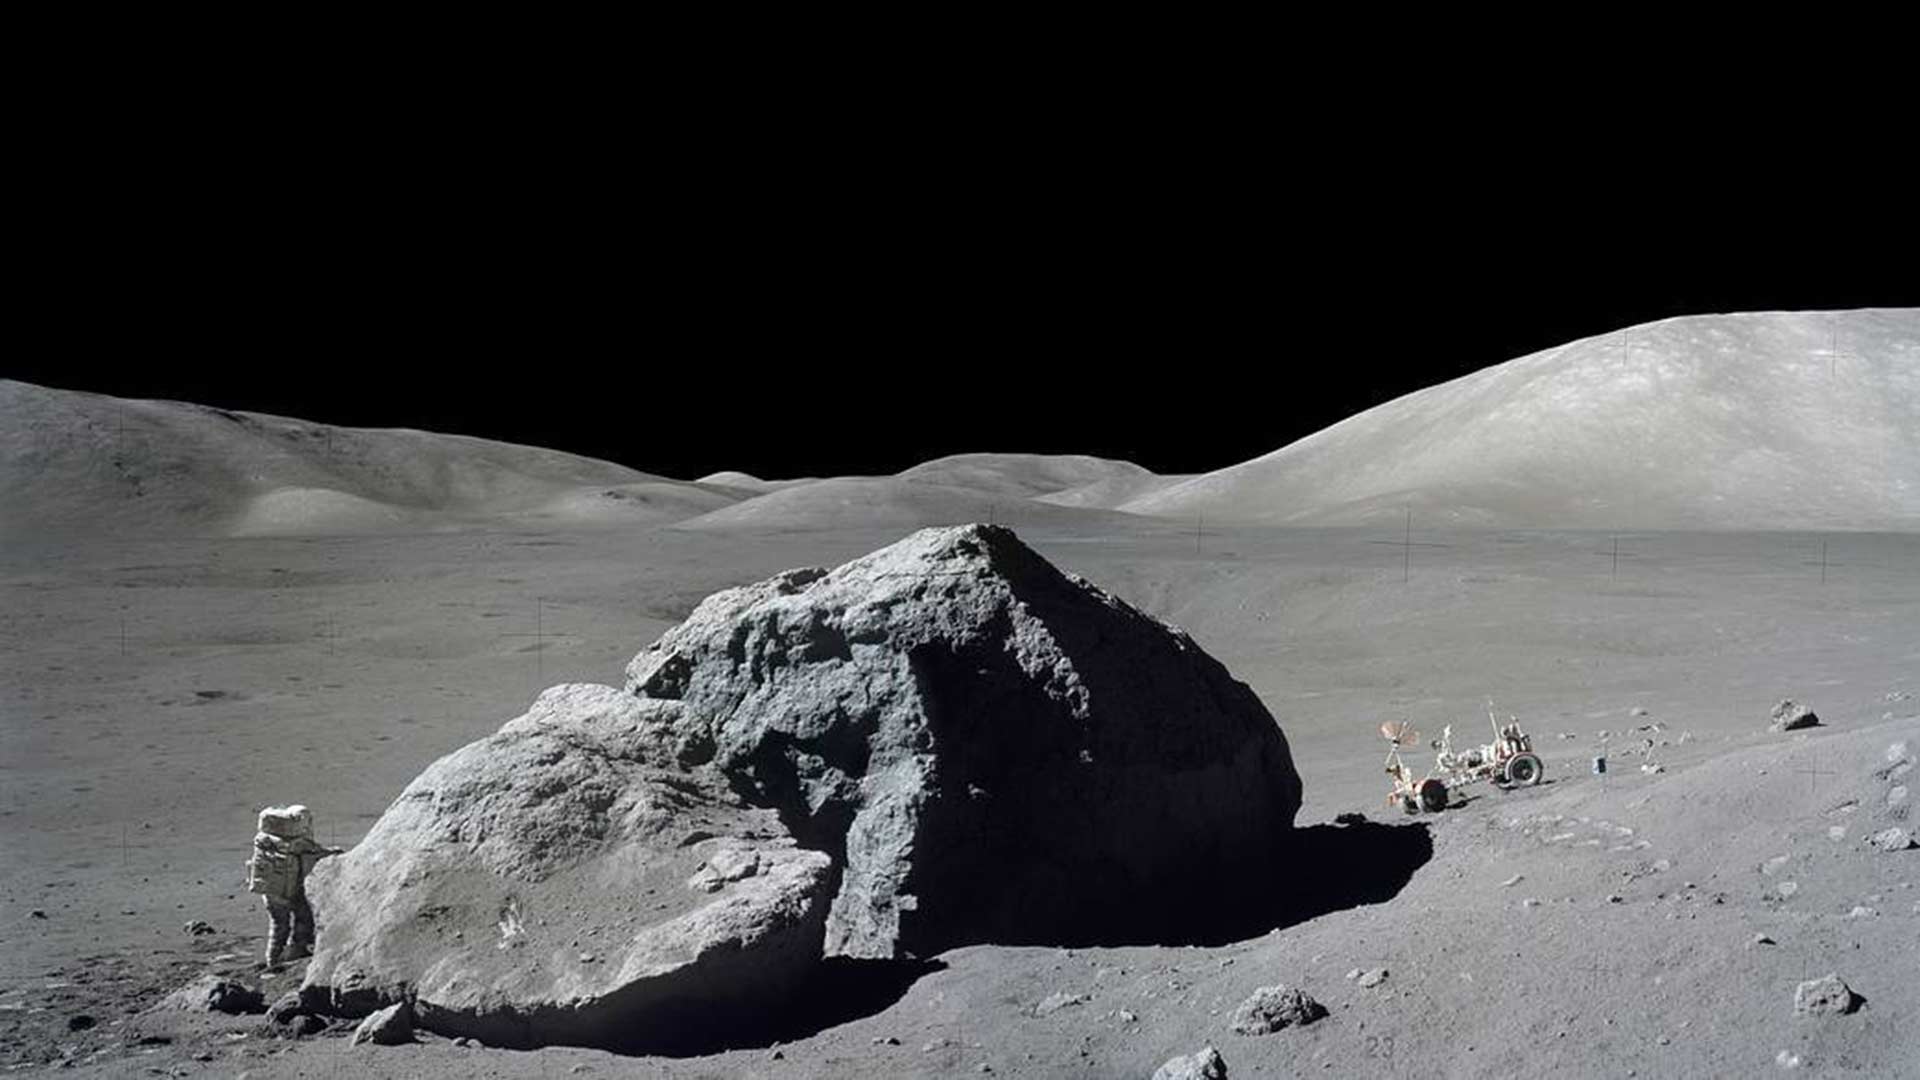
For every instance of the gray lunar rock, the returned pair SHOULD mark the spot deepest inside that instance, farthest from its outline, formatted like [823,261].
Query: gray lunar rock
[391,1026]
[211,993]
[285,1008]
[725,865]
[1892,838]
[989,748]
[1789,715]
[1054,1002]
[945,741]
[1270,1008]
[470,892]
[1206,1064]
[1825,996]
[306,1024]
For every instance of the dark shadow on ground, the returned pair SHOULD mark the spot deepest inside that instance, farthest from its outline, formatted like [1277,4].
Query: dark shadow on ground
[1315,871]
[838,991]
[1318,870]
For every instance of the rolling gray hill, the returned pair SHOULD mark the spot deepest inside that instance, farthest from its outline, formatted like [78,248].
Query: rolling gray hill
[887,502]
[80,462]
[1025,475]
[1769,420]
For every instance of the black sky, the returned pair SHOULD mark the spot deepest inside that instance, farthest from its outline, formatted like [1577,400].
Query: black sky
[836,279]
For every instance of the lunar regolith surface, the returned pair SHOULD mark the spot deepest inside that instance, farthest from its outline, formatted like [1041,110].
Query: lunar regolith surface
[1005,765]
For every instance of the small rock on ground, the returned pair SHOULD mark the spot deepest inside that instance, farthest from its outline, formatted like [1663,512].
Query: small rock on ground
[285,1008]
[390,1026]
[1891,839]
[1373,978]
[1790,715]
[211,993]
[1270,1008]
[1825,996]
[1206,1064]
[306,1024]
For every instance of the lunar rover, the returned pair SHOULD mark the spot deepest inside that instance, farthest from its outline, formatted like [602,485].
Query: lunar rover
[1508,760]
[1427,793]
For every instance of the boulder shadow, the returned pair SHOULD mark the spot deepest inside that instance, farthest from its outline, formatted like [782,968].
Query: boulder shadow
[1317,870]
[1314,871]
[834,992]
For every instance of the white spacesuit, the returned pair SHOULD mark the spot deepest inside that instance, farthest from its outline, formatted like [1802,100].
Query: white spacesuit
[284,853]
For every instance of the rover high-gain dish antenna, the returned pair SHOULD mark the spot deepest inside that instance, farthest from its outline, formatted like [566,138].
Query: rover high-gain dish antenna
[1399,733]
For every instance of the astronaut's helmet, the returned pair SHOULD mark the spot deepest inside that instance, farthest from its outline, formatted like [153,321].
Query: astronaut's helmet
[287,822]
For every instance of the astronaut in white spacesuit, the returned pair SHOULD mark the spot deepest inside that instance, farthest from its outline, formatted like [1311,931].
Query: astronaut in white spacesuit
[284,853]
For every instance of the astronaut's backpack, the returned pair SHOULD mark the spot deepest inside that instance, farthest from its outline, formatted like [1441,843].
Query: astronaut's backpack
[272,872]
[274,869]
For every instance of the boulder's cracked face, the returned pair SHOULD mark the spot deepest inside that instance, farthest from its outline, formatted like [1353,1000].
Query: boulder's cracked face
[547,883]
[946,741]
[985,745]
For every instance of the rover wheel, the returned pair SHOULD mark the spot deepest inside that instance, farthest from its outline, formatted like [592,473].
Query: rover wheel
[1433,796]
[1524,770]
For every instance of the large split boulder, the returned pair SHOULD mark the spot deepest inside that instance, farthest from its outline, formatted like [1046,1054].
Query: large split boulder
[988,748]
[545,885]
[946,741]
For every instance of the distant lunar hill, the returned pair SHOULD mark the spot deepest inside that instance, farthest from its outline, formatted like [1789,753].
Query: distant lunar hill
[886,502]
[747,483]
[1749,421]
[73,461]
[1112,492]
[1011,489]
[1025,475]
